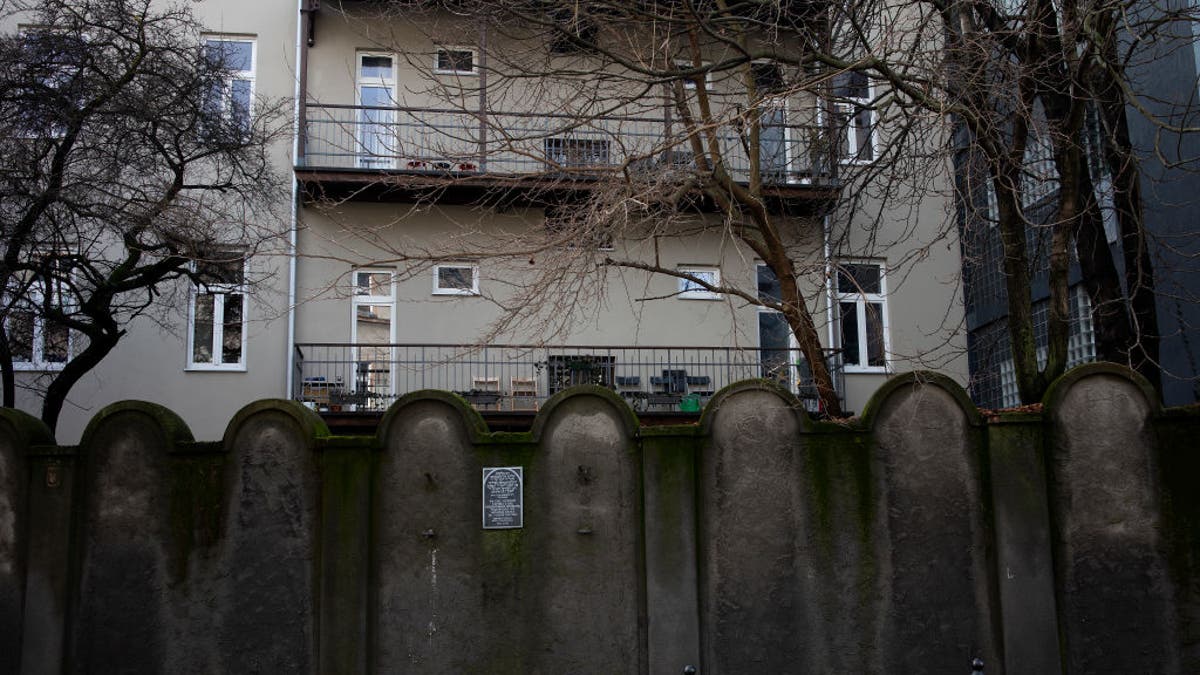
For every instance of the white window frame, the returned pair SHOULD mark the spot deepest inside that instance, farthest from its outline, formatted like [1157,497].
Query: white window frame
[437,52]
[689,291]
[848,105]
[793,345]
[385,120]
[374,300]
[861,301]
[220,293]
[37,347]
[237,75]
[438,289]
[688,83]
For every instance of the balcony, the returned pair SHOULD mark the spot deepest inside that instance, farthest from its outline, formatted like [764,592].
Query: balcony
[402,150]
[367,378]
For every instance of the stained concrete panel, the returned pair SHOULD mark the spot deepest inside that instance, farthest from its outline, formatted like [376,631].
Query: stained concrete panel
[937,591]
[754,595]
[14,485]
[123,593]
[429,589]
[584,528]
[267,558]
[1114,589]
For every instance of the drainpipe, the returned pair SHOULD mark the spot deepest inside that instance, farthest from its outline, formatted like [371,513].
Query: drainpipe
[828,250]
[301,67]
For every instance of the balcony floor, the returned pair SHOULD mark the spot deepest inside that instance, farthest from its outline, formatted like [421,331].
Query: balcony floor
[461,188]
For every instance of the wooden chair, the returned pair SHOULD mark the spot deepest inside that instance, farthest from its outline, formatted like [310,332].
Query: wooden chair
[524,392]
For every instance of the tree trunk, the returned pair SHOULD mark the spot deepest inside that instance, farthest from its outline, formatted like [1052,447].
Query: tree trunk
[99,345]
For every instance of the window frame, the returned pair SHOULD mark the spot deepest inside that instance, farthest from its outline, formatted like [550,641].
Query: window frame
[850,106]
[861,300]
[439,49]
[37,348]
[219,291]
[690,84]
[357,299]
[686,293]
[236,75]
[380,130]
[438,289]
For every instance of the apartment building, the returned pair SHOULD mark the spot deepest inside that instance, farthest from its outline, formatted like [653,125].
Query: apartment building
[461,221]
[1163,72]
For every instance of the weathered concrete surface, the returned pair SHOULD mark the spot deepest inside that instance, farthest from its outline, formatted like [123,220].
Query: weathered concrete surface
[266,589]
[48,562]
[755,596]
[937,579]
[122,596]
[1115,594]
[585,591]
[429,590]
[672,605]
[17,432]
[1024,559]
[758,541]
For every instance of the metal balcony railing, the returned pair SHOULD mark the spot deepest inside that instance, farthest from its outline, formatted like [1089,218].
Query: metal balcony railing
[459,143]
[369,377]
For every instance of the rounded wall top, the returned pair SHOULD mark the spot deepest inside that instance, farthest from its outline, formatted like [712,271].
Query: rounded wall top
[471,418]
[175,430]
[310,423]
[723,394]
[919,378]
[28,429]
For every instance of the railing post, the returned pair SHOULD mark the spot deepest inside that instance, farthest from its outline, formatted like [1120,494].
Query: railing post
[483,100]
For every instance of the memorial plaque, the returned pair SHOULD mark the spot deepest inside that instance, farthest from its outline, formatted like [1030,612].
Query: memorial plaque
[503,502]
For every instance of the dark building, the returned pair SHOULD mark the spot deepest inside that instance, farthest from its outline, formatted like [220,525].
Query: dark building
[1170,187]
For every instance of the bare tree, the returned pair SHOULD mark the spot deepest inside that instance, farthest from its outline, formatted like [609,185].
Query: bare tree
[129,159]
[873,87]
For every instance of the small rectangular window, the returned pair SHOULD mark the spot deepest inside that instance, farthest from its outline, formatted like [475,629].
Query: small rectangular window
[690,82]
[859,291]
[232,98]
[854,118]
[217,313]
[35,340]
[456,279]
[455,61]
[576,152]
[689,289]
[768,78]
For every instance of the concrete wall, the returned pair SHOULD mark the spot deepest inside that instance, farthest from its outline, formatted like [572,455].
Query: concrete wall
[914,539]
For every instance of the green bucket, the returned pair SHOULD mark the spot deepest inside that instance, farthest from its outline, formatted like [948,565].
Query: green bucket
[690,403]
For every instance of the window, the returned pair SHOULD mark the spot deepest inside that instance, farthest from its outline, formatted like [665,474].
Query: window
[456,279]
[853,117]
[690,290]
[376,117]
[778,357]
[48,89]
[1039,175]
[217,315]
[372,331]
[991,206]
[455,61]
[859,292]
[689,83]
[1081,341]
[768,78]
[232,98]
[576,152]
[36,342]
